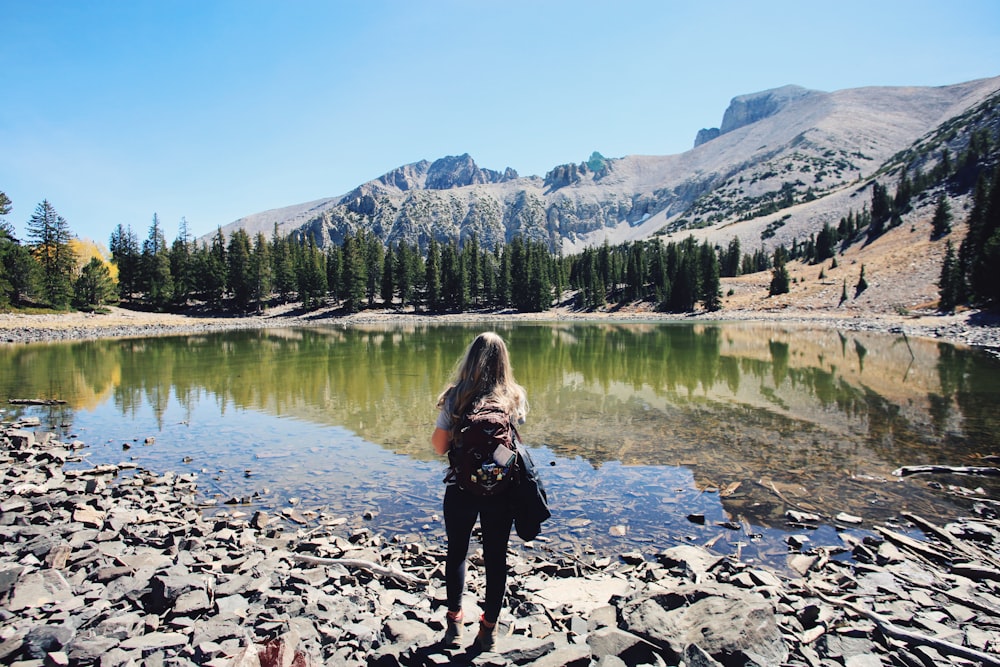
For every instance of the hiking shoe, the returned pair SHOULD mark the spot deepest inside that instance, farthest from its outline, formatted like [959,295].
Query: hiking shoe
[453,633]
[487,637]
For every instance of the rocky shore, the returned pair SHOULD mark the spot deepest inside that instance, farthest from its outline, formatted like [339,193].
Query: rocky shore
[115,565]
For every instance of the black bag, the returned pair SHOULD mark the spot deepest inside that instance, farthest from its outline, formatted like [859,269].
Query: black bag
[483,455]
[530,502]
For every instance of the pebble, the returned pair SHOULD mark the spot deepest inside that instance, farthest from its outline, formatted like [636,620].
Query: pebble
[127,572]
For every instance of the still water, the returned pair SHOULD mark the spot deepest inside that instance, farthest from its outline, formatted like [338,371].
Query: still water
[635,426]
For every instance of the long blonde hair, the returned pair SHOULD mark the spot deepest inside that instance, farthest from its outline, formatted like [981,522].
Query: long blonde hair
[484,375]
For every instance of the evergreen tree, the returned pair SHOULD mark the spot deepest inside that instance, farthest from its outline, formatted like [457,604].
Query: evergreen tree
[157,282]
[94,288]
[213,275]
[181,266]
[18,269]
[730,265]
[454,287]
[826,240]
[520,297]
[711,286]
[471,263]
[634,274]
[489,270]
[881,211]
[51,235]
[387,286]
[239,270]
[355,275]
[979,253]
[941,224]
[949,284]
[311,275]
[780,279]
[658,271]
[504,278]
[374,257]
[403,273]
[261,278]
[432,279]
[862,283]
[335,271]
[125,254]
[539,295]
[282,265]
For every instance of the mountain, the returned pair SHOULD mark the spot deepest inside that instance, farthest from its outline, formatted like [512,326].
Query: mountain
[781,163]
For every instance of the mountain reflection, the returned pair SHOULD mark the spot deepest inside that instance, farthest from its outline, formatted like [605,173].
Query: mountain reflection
[770,409]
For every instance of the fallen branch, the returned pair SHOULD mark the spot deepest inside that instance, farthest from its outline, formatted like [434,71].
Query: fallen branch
[368,566]
[36,401]
[891,629]
[986,471]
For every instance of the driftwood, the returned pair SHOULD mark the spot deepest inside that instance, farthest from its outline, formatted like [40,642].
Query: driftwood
[985,471]
[893,630]
[368,566]
[36,401]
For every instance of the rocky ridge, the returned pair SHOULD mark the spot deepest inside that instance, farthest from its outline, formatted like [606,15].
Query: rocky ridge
[776,147]
[112,565]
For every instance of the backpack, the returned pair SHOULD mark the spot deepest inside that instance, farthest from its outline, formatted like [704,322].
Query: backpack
[483,455]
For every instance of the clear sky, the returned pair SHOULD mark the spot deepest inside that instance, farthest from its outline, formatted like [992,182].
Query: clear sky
[215,109]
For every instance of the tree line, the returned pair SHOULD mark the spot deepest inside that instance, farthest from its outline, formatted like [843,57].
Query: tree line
[245,274]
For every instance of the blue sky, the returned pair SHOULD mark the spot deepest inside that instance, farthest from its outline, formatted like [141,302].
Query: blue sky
[215,109]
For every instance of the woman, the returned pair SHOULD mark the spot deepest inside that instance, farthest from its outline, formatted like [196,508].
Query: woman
[483,376]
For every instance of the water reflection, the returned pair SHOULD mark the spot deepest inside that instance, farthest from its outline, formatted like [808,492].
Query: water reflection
[645,423]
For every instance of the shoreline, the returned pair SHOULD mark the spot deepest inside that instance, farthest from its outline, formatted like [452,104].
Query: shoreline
[972,328]
[115,565]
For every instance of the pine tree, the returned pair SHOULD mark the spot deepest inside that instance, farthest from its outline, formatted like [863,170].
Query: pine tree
[355,275]
[213,273]
[374,257]
[311,275]
[881,211]
[282,266]
[941,224]
[504,278]
[711,286]
[403,273]
[432,277]
[335,271]
[949,283]
[386,287]
[862,283]
[239,270]
[94,288]
[779,274]
[260,271]
[181,267]
[51,235]
[157,282]
[18,269]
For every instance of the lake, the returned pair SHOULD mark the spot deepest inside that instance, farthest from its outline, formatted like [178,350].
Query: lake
[636,426]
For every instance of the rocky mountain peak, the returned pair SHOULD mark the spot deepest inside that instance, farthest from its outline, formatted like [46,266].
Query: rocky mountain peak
[456,171]
[746,109]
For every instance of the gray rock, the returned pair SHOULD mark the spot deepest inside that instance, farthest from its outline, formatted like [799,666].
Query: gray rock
[695,656]
[407,632]
[44,639]
[36,589]
[621,644]
[719,618]
[568,656]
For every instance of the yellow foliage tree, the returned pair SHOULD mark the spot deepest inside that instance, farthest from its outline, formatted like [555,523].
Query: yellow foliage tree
[85,249]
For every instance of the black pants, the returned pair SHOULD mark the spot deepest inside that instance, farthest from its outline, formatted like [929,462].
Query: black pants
[495,519]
